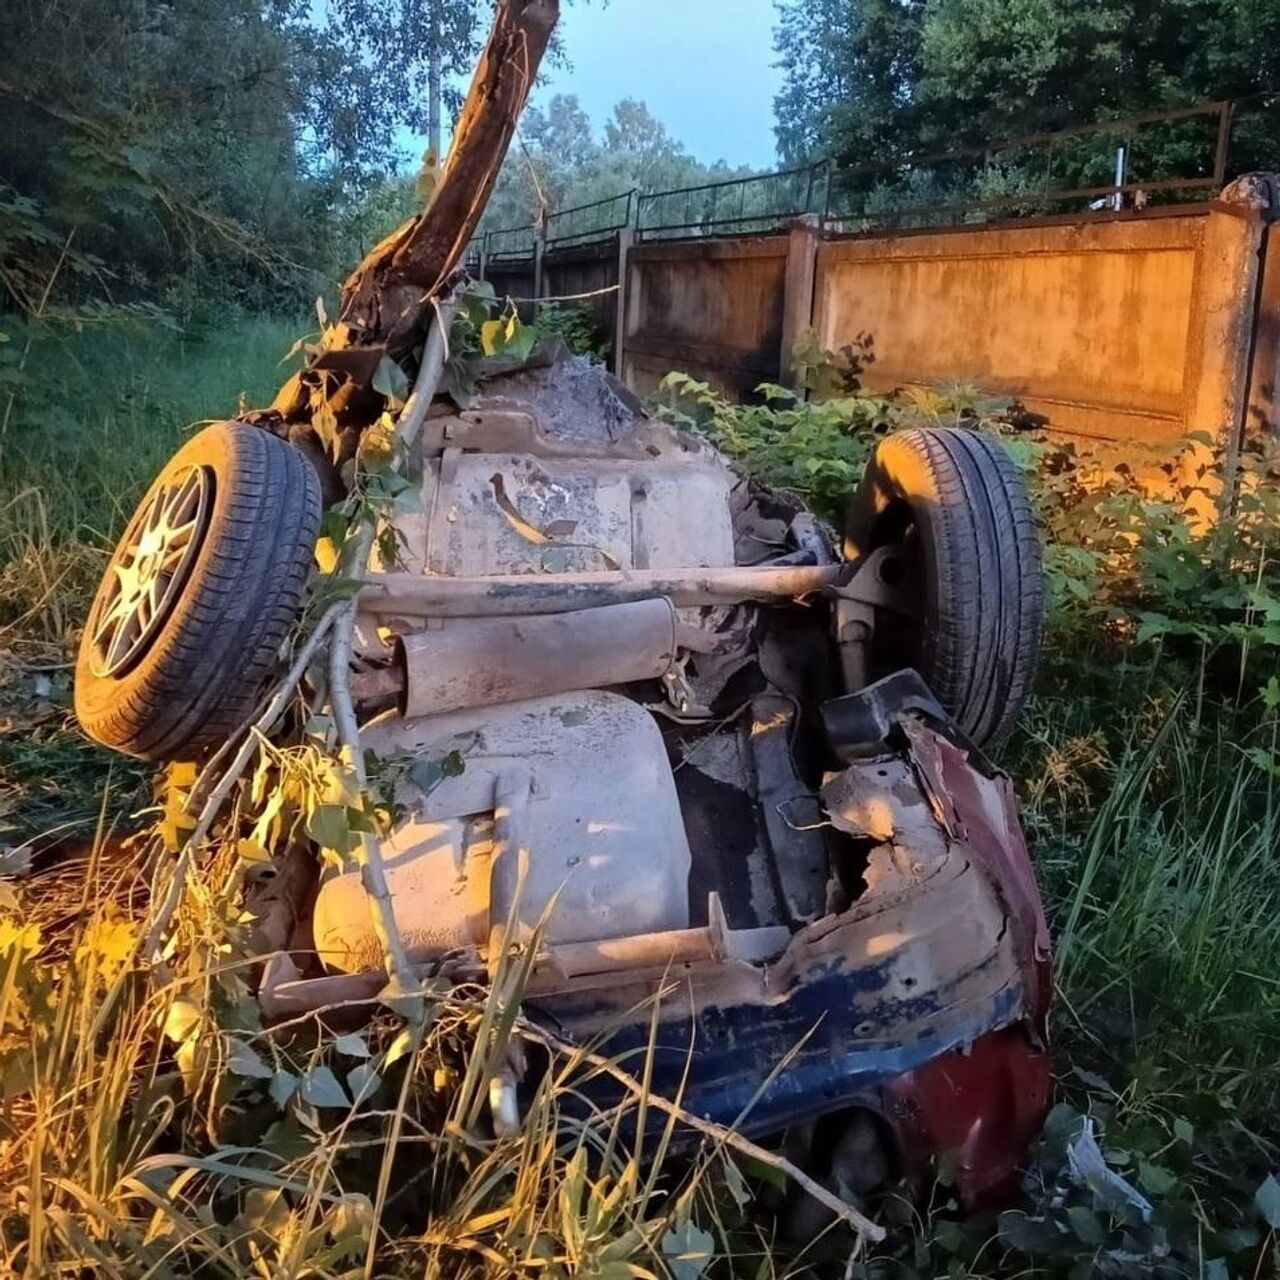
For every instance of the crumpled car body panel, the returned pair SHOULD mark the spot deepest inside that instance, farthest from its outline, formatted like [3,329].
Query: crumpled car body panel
[923,1001]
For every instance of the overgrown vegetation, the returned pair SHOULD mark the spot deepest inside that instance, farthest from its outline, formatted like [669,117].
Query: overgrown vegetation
[1150,777]
[148,1125]
[870,83]
[1148,765]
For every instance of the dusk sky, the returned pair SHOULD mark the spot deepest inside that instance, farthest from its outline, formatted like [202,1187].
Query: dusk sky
[703,66]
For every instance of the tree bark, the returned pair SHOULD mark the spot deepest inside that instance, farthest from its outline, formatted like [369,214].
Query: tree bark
[387,299]
[433,83]
[385,296]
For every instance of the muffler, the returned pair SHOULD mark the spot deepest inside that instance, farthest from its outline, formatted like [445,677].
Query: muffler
[480,662]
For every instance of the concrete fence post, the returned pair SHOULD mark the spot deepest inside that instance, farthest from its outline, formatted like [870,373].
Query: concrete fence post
[1261,423]
[626,236]
[1225,317]
[798,294]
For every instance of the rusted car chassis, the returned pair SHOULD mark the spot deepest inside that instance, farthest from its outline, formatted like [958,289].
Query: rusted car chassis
[719,776]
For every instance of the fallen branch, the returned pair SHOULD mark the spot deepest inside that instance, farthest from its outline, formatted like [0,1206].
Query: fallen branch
[373,874]
[857,1222]
[262,725]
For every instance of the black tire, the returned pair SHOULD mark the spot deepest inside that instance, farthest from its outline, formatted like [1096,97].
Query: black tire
[171,686]
[954,502]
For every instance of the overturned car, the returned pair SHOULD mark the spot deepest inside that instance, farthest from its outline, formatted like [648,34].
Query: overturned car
[708,752]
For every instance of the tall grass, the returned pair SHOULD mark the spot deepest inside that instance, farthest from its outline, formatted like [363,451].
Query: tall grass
[96,414]
[125,1155]
[1163,882]
[86,421]
[1153,821]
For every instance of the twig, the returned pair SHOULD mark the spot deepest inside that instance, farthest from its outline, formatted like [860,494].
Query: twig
[373,875]
[570,297]
[263,724]
[863,1226]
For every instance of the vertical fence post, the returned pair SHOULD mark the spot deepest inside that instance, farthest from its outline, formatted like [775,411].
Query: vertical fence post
[1224,318]
[797,294]
[539,248]
[625,238]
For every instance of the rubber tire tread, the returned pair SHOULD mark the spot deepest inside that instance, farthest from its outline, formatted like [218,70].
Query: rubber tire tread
[984,595]
[198,680]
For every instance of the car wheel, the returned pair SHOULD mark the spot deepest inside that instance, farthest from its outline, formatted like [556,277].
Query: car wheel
[199,595]
[953,503]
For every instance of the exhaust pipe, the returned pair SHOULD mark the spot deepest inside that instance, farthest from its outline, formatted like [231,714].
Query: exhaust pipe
[480,662]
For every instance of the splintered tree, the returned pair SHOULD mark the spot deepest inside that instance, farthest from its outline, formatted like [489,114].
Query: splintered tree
[387,302]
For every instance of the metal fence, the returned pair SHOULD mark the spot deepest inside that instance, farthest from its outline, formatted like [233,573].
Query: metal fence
[586,223]
[738,205]
[1152,158]
[509,243]
[1156,157]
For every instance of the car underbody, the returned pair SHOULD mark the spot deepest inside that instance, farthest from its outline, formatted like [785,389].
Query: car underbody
[664,787]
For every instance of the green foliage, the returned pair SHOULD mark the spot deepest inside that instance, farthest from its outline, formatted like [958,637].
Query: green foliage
[363,57]
[1151,796]
[576,326]
[1145,560]
[209,157]
[161,1128]
[560,163]
[816,448]
[869,81]
[1132,1211]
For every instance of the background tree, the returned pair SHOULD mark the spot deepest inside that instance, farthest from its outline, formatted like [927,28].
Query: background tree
[402,53]
[203,155]
[878,80]
[850,69]
[560,163]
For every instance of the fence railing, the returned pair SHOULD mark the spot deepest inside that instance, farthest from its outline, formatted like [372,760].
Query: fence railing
[1155,157]
[509,242]
[1150,158]
[758,203]
[589,222]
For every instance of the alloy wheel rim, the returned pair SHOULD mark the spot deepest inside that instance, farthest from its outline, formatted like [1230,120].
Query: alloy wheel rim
[149,569]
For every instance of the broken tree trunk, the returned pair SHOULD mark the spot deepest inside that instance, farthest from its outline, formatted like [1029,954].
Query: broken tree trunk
[388,297]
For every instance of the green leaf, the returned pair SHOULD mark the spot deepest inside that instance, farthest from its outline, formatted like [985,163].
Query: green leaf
[284,1084]
[1086,1224]
[390,381]
[1151,625]
[1266,1199]
[1155,1178]
[429,773]
[321,1088]
[1029,1235]
[242,1060]
[330,826]
[353,1046]
[520,341]
[1271,694]
[363,1081]
[688,1250]
[735,1183]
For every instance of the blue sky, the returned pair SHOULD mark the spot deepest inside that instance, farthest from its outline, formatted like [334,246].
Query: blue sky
[703,66]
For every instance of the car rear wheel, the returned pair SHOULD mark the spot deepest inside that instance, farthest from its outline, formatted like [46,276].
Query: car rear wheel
[952,503]
[199,595]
